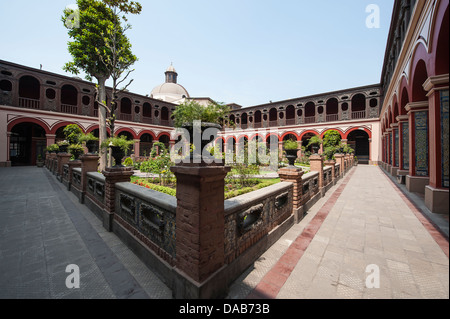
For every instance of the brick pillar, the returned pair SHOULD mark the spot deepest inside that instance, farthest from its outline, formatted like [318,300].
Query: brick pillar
[137,148]
[340,161]
[63,159]
[281,150]
[316,165]
[294,175]
[113,175]
[333,168]
[89,163]
[200,224]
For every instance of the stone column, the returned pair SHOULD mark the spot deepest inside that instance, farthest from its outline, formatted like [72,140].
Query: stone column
[113,175]
[200,228]
[280,150]
[403,164]
[294,175]
[395,149]
[437,192]
[316,165]
[418,176]
[89,163]
[389,149]
[137,148]
[8,143]
[50,139]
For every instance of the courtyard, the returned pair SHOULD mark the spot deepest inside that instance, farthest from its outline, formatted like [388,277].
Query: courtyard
[44,229]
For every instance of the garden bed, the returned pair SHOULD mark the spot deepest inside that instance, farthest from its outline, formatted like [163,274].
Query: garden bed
[232,189]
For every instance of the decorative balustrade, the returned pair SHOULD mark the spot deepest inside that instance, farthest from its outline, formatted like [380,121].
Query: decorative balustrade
[147,120]
[70,109]
[149,216]
[29,103]
[332,117]
[125,117]
[251,216]
[290,121]
[357,115]
[310,120]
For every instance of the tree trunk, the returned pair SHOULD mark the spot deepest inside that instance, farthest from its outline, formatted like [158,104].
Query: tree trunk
[102,121]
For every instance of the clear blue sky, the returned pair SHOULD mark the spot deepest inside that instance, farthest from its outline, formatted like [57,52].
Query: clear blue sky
[243,51]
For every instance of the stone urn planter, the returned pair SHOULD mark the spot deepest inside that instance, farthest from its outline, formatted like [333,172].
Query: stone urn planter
[63,148]
[91,146]
[196,154]
[118,154]
[291,155]
[315,148]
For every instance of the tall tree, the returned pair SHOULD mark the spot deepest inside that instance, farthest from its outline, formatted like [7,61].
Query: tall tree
[100,48]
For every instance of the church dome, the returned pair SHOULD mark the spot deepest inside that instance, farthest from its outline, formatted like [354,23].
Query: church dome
[170,91]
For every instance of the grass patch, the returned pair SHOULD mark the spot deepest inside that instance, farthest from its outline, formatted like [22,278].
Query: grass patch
[231,189]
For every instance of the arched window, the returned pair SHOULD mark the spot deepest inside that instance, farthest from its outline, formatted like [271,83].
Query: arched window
[290,115]
[29,92]
[273,117]
[359,107]
[125,109]
[310,112]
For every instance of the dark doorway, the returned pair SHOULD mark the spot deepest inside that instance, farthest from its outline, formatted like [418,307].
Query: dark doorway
[27,142]
[359,141]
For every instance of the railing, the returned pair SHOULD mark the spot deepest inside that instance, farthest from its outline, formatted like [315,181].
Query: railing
[310,119]
[332,117]
[76,177]
[147,120]
[125,117]
[96,186]
[257,125]
[273,123]
[29,103]
[358,115]
[149,216]
[290,122]
[244,126]
[252,216]
[165,122]
[70,109]
[310,186]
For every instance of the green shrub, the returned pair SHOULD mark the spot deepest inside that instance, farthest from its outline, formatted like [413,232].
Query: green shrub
[128,162]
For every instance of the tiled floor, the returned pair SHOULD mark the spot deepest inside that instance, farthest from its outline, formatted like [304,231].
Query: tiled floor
[362,221]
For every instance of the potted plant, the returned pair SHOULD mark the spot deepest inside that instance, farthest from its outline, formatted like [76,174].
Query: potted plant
[90,140]
[119,147]
[76,150]
[210,116]
[63,146]
[54,148]
[315,142]
[40,161]
[291,149]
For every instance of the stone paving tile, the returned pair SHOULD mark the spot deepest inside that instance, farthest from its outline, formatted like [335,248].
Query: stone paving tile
[43,229]
[370,224]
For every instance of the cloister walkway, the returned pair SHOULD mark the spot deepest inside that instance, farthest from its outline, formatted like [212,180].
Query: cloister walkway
[363,220]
